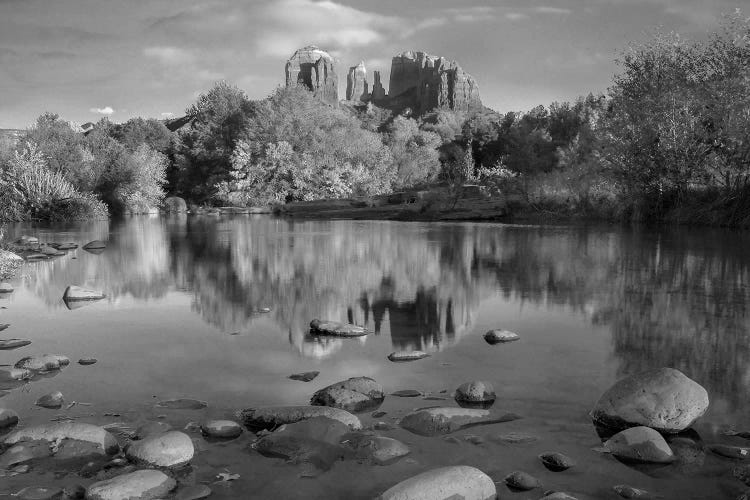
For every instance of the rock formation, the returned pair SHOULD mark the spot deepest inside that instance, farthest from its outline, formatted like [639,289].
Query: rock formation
[428,82]
[378,92]
[357,88]
[315,69]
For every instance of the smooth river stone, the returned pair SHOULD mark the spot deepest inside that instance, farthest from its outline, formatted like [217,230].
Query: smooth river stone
[226,429]
[138,485]
[640,444]
[336,329]
[270,417]
[500,336]
[55,432]
[53,400]
[8,344]
[87,361]
[43,363]
[399,356]
[475,392]
[356,394]
[444,420]
[171,449]
[445,483]
[522,481]
[378,449]
[8,418]
[663,399]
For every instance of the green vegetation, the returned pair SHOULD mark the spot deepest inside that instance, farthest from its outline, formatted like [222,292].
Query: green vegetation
[670,142]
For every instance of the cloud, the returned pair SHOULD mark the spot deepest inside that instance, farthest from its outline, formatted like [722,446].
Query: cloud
[552,10]
[107,110]
[168,55]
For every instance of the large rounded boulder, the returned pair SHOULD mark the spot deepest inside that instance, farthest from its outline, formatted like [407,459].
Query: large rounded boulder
[171,449]
[444,483]
[664,399]
[355,394]
[640,444]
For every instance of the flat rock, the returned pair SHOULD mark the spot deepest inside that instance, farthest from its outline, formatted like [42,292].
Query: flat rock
[194,492]
[556,462]
[53,400]
[95,245]
[75,293]
[356,394]
[407,393]
[138,485]
[59,431]
[399,356]
[40,493]
[171,449]
[522,481]
[87,361]
[455,482]
[663,399]
[336,329]
[444,420]
[640,444]
[8,418]
[43,363]
[304,376]
[475,393]
[500,336]
[182,404]
[8,344]
[270,417]
[221,429]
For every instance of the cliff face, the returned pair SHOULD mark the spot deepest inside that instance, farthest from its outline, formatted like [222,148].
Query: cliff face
[357,88]
[428,82]
[315,69]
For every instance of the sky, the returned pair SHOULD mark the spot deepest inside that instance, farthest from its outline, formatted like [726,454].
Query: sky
[86,59]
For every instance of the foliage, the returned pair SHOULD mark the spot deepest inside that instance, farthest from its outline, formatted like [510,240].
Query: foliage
[415,156]
[138,131]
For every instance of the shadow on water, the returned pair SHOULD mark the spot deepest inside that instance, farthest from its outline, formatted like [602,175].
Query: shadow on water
[673,298]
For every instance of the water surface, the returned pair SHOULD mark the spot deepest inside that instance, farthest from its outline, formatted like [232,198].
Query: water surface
[183,319]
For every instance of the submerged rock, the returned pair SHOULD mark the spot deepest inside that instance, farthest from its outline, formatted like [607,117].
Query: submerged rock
[444,420]
[182,404]
[336,329]
[151,429]
[105,443]
[43,363]
[304,376]
[95,245]
[460,481]
[76,293]
[87,361]
[407,355]
[664,399]
[356,394]
[522,481]
[138,485]
[8,418]
[626,491]
[40,493]
[171,449]
[500,336]
[476,393]
[556,462]
[8,344]
[640,444]
[194,492]
[226,429]
[378,449]
[271,417]
[53,400]
[736,452]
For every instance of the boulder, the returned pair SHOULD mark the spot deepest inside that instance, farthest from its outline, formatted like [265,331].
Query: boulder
[444,483]
[407,355]
[522,481]
[171,449]
[640,444]
[75,293]
[336,329]
[475,393]
[174,205]
[8,344]
[43,363]
[8,418]
[105,443]
[53,400]
[356,394]
[315,70]
[500,336]
[226,429]
[663,399]
[437,421]
[138,485]
[270,417]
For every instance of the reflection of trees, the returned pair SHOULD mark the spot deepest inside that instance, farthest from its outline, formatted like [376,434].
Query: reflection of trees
[677,298]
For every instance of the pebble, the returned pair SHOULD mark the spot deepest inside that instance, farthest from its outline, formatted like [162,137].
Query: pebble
[53,400]
[522,481]
[304,376]
[336,329]
[556,462]
[378,414]
[226,429]
[87,361]
[407,355]
[500,336]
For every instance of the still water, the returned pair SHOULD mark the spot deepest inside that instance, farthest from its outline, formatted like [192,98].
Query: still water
[183,319]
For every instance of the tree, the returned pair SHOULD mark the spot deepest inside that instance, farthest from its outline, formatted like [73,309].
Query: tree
[138,131]
[415,152]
